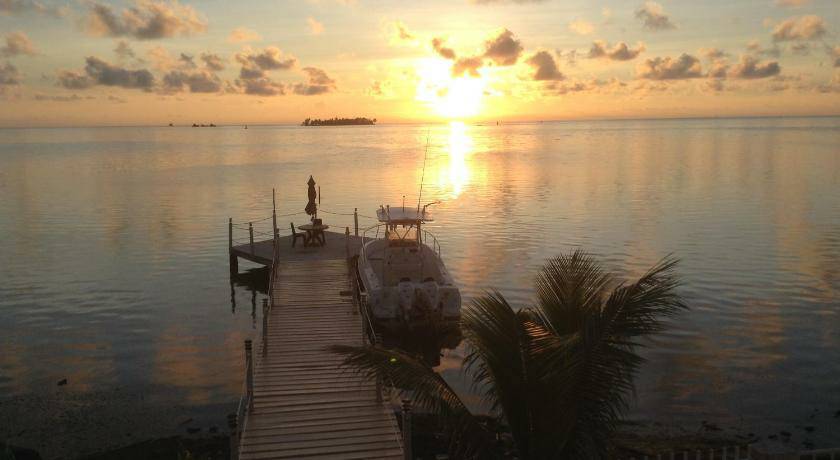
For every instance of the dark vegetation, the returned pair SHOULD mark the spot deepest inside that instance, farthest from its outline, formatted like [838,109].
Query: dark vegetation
[338,121]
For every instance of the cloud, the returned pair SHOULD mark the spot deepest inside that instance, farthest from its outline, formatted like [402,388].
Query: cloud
[718,69]
[792,3]
[100,72]
[123,50]
[545,68]
[667,68]
[271,58]
[261,87]
[467,65]
[750,68]
[712,53]
[17,43]
[198,81]
[146,20]
[213,62]
[12,7]
[444,52]
[654,17]
[809,27]
[755,47]
[255,64]
[242,34]
[319,83]
[9,76]
[315,27]
[106,74]
[835,54]
[619,52]
[60,98]
[503,50]
[398,32]
[72,79]
[581,27]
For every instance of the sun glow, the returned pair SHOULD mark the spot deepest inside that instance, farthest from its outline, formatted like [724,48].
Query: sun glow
[455,173]
[449,97]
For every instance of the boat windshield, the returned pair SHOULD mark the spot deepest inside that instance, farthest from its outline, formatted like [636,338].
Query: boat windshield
[402,235]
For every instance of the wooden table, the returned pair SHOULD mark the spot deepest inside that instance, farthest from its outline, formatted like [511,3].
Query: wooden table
[314,235]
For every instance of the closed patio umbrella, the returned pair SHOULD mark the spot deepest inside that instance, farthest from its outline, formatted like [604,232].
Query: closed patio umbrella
[311,207]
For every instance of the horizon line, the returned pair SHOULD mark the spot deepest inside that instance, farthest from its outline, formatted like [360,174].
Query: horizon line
[436,122]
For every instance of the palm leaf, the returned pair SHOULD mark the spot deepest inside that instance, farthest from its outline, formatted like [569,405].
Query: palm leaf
[468,437]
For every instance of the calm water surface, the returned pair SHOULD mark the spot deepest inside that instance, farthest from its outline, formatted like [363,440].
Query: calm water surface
[113,256]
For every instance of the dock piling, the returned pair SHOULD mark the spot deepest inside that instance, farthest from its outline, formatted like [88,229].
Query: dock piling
[249,376]
[234,437]
[251,236]
[406,428]
[347,241]
[265,328]
[356,221]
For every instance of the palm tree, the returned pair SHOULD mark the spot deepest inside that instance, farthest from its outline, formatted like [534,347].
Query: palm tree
[559,373]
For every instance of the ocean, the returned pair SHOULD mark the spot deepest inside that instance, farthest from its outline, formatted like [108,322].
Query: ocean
[113,256]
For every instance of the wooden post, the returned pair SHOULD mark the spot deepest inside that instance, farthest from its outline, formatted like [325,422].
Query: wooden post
[347,241]
[378,379]
[230,232]
[406,429]
[234,437]
[249,376]
[356,220]
[251,236]
[265,329]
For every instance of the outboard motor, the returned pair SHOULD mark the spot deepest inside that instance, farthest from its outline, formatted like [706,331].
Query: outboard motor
[405,291]
[427,296]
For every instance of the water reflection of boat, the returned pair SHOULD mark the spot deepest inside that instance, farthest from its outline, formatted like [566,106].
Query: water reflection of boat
[426,341]
[403,280]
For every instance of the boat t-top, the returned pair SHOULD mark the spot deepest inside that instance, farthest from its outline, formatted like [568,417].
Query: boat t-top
[404,280]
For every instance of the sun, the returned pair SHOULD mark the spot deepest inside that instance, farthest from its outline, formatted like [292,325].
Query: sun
[449,97]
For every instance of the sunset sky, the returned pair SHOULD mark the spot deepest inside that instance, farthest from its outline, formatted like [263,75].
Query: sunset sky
[81,63]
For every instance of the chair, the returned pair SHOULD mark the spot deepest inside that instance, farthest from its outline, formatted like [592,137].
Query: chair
[296,235]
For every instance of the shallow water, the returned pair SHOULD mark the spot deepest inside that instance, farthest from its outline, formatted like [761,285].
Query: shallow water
[115,272]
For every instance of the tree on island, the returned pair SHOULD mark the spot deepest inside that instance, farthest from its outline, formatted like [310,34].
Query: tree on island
[558,374]
[338,121]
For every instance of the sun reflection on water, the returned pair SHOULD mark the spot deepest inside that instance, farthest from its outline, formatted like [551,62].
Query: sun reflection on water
[454,171]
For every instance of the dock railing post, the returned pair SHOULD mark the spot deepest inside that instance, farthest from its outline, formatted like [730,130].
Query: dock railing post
[249,376]
[406,429]
[265,329]
[230,232]
[378,378]
[347,242]
[251,236]
[356,221]
[234,437]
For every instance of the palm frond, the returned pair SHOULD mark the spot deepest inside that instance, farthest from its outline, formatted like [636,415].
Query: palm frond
[568,286]
[497,361]
[469,438]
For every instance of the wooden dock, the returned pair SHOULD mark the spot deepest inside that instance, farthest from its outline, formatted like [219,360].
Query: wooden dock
[297,402]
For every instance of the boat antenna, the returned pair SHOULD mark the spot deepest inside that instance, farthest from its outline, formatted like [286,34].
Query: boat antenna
[423,175]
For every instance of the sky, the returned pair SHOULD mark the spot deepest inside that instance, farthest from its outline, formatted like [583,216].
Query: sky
[150,62]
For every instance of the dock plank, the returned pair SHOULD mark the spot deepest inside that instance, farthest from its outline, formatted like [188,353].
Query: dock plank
[305,405]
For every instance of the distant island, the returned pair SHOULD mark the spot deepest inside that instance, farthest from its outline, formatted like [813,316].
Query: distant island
[338,121]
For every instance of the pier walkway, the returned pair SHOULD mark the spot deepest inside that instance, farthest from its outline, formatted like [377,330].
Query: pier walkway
[297,402]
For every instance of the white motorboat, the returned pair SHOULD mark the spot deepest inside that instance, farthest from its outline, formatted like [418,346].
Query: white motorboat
[403,278]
